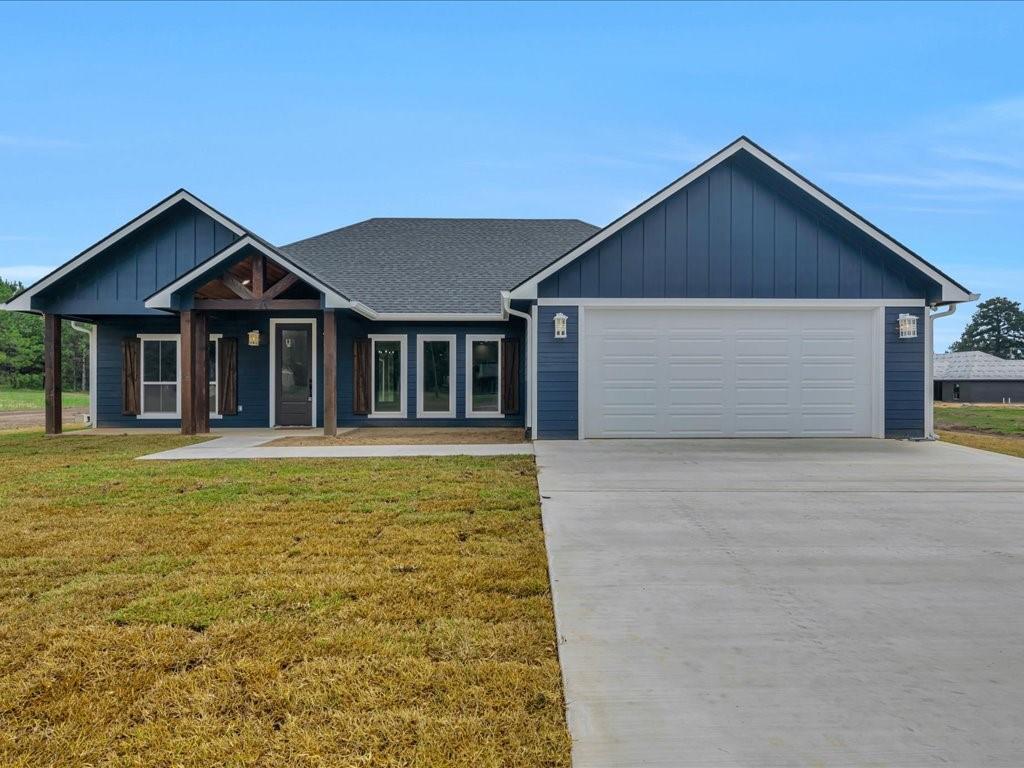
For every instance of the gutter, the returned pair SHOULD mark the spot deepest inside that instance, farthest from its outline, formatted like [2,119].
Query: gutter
[90,331]
[506,310]
[929,365]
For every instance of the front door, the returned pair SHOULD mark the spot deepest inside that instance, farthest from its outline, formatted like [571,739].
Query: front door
[294,376]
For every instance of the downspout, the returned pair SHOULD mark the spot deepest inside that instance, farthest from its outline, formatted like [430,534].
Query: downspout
[929,372]
[506,308]
[91,333]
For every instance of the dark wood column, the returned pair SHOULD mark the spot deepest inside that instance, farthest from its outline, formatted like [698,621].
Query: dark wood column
[51,373]
[187,367]
[201,403]
[330,373]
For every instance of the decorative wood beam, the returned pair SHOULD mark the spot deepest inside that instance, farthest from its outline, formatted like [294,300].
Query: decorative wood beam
[330,374]
[187,368]
[255,304]
[236,286]
[258,274]
[51,373]
[280,286]
[201,389]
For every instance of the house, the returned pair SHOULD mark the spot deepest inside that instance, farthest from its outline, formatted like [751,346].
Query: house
[740,300]
[978,377]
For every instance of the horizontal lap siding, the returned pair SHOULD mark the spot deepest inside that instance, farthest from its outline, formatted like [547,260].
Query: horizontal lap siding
[904,376]
[557,376]
[736,233]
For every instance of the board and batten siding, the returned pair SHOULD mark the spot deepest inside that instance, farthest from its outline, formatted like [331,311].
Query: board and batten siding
[118,281]
[557,375]
[904,376]
[733,233]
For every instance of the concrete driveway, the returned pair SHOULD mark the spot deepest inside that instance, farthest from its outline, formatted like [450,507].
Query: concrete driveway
[780,602]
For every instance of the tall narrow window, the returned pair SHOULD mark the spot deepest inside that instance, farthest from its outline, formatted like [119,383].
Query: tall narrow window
[435,366]
[213,372]
[483,376]
[389,376]
[159,376]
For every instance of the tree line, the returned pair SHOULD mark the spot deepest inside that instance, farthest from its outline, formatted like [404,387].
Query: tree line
[21,349]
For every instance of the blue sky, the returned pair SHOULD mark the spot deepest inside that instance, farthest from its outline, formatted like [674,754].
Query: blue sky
[295,119]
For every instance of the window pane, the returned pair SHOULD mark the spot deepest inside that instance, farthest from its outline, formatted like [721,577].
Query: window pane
[151,360]
[211,361]
[213,397]
[436,369]
[159,398]
[387,376]
[485,375]
[168,361]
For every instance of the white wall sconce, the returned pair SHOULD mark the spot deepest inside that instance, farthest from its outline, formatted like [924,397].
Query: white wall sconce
[908,326]
[561,326]
[254,338]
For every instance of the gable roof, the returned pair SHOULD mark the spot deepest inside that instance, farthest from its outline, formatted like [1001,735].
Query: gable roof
[457,266]
[952,291]
[976,366]
[22,301]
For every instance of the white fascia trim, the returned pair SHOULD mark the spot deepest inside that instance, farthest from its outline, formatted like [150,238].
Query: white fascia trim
[452,394]
[274,321]
[24,301]
[403,353]
[733,303]
[470,413]
[162,299]
[470,317]
[950,291]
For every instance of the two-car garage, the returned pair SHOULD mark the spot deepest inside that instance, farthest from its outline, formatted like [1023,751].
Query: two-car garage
[779,371]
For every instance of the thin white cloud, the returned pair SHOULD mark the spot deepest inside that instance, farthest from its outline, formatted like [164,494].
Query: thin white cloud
[937,180]
[34,142]
[24,272]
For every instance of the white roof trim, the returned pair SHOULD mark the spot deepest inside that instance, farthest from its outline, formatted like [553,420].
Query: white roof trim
[951,292]
[162,298]
[23,302]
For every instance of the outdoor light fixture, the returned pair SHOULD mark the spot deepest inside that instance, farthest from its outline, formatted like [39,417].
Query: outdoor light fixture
[561,326]
[254,338]
[908,326]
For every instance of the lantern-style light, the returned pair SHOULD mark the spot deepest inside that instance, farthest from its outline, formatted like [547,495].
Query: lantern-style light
[254,338]
[908,326]
[561,326]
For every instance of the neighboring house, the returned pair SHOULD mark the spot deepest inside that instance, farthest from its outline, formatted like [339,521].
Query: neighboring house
[978,377]
[740,300]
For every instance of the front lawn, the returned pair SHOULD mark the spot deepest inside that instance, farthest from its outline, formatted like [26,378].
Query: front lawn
[995,419]
[32,399]
[362,612]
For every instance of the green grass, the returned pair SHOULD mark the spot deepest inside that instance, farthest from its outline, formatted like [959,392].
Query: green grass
[32,399]
[1011,446]
[992,419]
[361,612]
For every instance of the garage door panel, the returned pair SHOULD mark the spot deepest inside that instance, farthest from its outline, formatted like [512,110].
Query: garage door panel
[719,372]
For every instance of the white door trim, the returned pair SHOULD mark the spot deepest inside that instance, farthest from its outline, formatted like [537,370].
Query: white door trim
[274,322]
[421,339]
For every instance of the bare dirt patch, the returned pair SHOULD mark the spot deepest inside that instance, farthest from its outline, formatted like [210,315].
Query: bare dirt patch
[410,436]
[36,419]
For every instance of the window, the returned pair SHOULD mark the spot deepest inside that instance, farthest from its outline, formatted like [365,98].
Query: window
[160,376]
[435,364]
[213,372]
[389,376]
[483,376]
[956,391]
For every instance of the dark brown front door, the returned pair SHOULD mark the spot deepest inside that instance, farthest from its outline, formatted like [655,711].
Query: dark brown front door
[294,376]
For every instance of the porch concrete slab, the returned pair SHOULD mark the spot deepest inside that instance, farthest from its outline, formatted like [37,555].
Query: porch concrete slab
[774,602]
[250,444]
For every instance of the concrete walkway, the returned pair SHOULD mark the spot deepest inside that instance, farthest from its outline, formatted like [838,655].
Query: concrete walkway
[769,603]
[250,444]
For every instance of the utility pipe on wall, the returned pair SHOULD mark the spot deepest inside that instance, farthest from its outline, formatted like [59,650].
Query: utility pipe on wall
[929,362]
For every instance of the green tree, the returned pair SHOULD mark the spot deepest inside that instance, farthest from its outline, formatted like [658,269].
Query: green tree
[996,327]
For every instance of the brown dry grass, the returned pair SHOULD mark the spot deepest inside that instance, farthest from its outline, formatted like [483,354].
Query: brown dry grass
[412,436]
[1011,446]
[364,612]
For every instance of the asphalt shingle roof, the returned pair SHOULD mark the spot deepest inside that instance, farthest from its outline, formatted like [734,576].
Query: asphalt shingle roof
[435,265]
[976,366]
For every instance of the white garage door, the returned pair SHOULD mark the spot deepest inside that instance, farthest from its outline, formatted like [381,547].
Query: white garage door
[728,372]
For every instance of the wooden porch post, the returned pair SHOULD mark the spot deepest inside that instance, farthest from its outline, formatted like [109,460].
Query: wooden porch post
[187,366]
[330,374]
[51,373]
[200,381]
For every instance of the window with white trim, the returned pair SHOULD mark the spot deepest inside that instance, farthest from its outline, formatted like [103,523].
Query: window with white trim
[160,377]
[389,377]
[483,376]
[213,373]
[435,370]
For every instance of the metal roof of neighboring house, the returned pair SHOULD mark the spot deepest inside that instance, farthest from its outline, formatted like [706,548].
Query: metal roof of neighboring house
[435,265]
[976,366]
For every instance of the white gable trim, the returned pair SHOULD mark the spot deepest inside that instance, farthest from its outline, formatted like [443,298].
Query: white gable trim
[951,292]
[23,301]
[162,298]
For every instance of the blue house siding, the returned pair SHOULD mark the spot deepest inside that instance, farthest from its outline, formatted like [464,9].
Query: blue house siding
[119,282]
[736,233]
[904,376]
[558,376]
